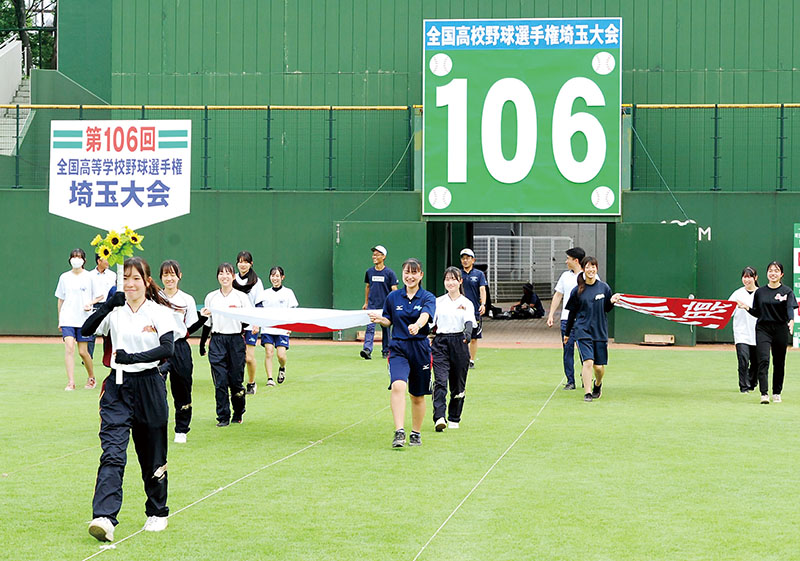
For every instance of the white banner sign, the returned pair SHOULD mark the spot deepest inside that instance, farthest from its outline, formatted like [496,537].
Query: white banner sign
[111,174]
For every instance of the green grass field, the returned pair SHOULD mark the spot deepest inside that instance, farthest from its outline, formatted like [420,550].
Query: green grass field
[673,463]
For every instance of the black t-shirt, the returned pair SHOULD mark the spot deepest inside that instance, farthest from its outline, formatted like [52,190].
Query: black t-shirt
[587,312]
[774,304]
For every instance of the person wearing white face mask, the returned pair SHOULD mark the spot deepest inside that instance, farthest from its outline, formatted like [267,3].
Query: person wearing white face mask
[75,295]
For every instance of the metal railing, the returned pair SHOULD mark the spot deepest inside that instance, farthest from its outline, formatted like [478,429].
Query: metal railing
[281,147]
[715,147]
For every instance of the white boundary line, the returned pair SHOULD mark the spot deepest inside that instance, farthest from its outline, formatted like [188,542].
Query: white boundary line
[25,468]
[234,482]
[485,475]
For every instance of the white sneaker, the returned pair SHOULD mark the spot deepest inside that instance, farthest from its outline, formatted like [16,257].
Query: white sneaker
[102,529]
[440,424]
[155,524]
[776,398]
[764,399]
[452,425]
[180,437]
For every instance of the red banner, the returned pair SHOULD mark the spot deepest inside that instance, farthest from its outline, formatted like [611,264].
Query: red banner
[713,314]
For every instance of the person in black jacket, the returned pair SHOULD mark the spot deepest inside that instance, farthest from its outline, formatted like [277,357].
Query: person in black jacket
[774,306]
[588,305]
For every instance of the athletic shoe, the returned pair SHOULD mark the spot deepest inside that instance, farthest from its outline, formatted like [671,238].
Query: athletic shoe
[223,423]
[251,389]
[746,390]
[776,398]
[365,354]
[399,438]
[452,425]
[91,383]
[237,420]
[415,439]
[569,386]
[270,382]
[281,374]
[764,399]
[597,391]
[180,437]
[472,364]
[385,355]
[69,388]
[587,397]
[440,424]
[155,524]
[102,529]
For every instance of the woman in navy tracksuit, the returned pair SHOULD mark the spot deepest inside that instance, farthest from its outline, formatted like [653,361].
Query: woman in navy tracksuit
[408,311]
[588,305]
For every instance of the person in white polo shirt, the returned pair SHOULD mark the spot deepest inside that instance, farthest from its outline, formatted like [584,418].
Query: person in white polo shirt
[454,321]
[133,400]
[566,283]
[226,352]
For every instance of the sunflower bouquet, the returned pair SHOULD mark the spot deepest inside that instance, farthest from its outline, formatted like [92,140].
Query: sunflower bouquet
[115,247]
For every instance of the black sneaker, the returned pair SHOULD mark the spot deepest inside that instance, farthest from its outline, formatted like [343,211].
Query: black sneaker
[251,389]
[415,439]
[385,354]
[472,364]
[597,391]
[365,354]
[237,420]
[281,374]
[399,439]
[223,423]
[569,386]
[587,397]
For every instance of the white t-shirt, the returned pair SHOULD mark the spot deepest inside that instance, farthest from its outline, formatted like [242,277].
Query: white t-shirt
[566,283]
[184,317]
[224,324]
[103,282]
[744,325]
[76,291]
[281,298]
[452,315]
[136,332]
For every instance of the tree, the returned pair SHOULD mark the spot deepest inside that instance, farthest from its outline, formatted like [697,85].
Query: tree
[22,23]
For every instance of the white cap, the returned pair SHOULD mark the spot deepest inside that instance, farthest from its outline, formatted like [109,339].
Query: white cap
[380,248]
[467,251]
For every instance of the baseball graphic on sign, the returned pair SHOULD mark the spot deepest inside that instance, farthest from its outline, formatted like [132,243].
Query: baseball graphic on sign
[603,63]
[441,64]
[440,197]
[603,198]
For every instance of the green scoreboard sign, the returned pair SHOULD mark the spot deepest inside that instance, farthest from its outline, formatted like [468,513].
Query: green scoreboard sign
[522,117]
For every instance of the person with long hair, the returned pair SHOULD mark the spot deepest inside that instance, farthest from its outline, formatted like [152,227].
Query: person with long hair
[179,366]
[453,321]
[744,331]
[133,400]
[247,281]
[773,306]
[588,305]
[408,311]
[226,350]
[276,341]
[75,293]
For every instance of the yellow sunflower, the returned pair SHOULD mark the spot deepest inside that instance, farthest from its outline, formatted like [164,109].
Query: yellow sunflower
[135,238]
[113,239]
[97,239]
[104,251]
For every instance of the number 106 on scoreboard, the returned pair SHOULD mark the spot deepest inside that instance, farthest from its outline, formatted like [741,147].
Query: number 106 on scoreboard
[522,117]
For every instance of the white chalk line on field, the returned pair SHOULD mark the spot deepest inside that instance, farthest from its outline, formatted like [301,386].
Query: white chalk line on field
[51,460]
[485,475]
[234,482]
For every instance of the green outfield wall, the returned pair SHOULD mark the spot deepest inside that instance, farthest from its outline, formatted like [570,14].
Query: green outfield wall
[293,230]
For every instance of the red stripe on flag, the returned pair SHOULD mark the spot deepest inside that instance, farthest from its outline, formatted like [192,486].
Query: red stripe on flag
[304,327]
